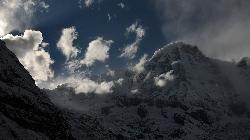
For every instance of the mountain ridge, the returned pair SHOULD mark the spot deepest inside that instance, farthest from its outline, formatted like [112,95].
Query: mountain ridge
[197,101]
[181,94]
[25,110]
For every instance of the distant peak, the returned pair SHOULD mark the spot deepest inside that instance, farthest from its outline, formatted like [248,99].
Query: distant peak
[176,50]
[245,61]
[168,46]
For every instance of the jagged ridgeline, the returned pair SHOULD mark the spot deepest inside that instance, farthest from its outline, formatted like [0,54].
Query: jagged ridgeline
[26,113]
[180,94]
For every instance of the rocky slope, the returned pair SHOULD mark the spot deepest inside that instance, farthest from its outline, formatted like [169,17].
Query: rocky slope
[26,113]
[181,94]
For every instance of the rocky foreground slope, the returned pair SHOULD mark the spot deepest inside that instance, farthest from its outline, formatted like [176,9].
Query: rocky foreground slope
[26,113]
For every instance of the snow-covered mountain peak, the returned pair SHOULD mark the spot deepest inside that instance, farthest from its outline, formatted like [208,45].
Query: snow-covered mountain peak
[175,55]
[176,51]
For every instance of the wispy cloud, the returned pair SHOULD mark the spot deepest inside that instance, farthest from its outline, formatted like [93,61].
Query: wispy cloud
[88,3]
[131,49]
[122,5]
[139,67]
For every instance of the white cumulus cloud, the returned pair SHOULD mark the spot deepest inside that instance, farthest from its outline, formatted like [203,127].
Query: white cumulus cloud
[164,78]
[18,14]
[98,50]
[65,43]
[30,50]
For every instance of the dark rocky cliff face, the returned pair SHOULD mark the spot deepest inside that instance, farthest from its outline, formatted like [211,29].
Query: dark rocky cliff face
[25,111]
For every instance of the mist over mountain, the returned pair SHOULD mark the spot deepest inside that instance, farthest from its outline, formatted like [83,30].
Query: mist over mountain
[124,70]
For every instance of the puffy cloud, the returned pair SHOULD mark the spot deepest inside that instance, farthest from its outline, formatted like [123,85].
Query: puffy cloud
[30,50]
[130,50]
[17,14]
[80,85]
[163,79]
[65,43]
[98,50]
[139,67]
[219,28]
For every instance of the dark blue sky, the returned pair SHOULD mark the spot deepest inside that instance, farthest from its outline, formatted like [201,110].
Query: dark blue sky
[93,22]
[218,28]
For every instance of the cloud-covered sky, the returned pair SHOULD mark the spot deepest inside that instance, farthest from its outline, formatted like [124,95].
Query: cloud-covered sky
[57,41]
[16,15]
[219,27]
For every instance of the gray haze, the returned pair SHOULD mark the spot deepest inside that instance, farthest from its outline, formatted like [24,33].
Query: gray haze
[221,28]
